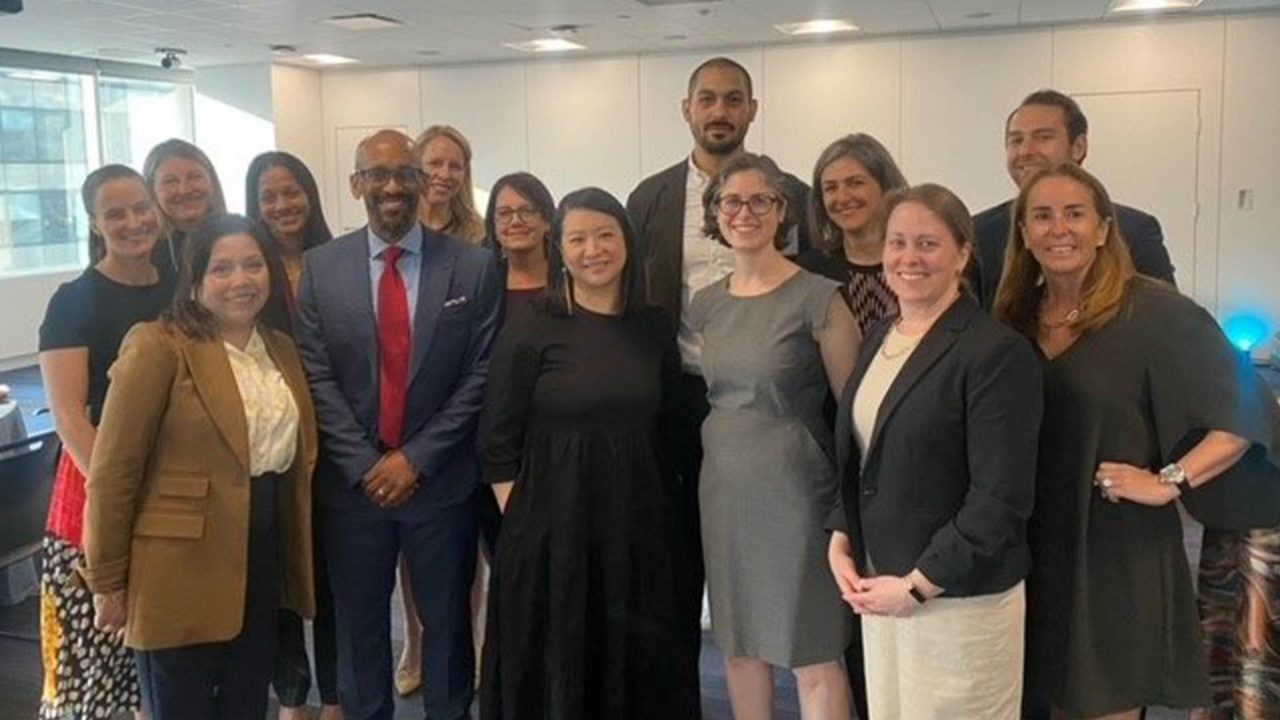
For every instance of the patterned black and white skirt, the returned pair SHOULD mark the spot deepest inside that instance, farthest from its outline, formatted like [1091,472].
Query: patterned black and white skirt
[88,673]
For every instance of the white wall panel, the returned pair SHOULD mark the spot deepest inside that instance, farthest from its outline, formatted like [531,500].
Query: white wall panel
[299,109]
[819,93]
[363,101]
[1249,233]
[664,82]
[1171,56]
[584,124]
[956,94]
[488,104]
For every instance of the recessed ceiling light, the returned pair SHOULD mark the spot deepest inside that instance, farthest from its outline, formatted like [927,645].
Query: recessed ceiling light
[363,21]
[546,45]
[327,59]
[1123,6]
[817,27]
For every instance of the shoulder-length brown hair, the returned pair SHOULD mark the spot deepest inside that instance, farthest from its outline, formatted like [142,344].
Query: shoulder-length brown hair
[187,314]
[467,223]
[1022,283]
[870,154]
[175,147]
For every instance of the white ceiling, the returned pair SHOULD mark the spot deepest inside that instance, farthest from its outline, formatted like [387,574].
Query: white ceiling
[218,32]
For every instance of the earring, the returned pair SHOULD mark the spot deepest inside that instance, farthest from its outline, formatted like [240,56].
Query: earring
[568,294]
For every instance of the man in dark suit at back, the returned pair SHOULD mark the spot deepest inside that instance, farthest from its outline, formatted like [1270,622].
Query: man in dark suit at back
[1046,129]
[666,210]
[395,323]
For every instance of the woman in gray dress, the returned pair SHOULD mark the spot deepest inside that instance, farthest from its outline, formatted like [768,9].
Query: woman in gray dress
[775,339]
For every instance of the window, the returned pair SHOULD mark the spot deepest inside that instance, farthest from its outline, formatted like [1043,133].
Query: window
[49,140]
[43,161]
[138,114]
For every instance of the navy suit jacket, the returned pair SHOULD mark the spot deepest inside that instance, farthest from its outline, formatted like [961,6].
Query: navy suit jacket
[455,321]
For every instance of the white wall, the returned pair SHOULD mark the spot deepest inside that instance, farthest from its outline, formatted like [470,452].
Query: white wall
[234,122]
[24,299]
[938,103]
[298,107]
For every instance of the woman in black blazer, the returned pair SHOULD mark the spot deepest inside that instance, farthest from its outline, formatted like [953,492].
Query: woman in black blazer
[936,443]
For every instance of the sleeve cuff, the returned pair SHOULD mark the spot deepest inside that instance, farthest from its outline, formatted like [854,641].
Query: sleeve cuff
[106,577]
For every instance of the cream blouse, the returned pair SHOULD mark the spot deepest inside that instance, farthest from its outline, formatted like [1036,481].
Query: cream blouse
[270,410]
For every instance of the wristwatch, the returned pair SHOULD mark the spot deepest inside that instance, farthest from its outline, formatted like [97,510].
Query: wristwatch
[915,592]
[1176,475]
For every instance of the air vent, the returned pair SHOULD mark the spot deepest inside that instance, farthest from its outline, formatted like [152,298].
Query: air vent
[659,3]
[363,21]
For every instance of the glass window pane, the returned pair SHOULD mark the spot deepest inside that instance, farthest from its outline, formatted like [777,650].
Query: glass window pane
[51,132]
[15,91]
[50,94]
[137,114]
[22,177]
[18,134]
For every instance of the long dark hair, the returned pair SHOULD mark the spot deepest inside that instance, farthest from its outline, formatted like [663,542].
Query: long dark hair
[89,196]
[559,288]
[316,230]
[528,187]
[187,314]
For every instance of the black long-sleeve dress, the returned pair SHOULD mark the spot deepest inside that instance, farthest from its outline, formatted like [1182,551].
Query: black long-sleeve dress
[582,609]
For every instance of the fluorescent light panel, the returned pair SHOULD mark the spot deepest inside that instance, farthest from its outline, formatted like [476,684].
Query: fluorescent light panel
[817,27]
[327,59]
[546,45]
[363,21]
[1123,6]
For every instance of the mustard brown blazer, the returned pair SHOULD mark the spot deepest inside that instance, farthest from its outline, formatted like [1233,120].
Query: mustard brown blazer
[167,499]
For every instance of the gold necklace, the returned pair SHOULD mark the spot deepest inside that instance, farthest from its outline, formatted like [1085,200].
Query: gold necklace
[910,345]
[1066,320]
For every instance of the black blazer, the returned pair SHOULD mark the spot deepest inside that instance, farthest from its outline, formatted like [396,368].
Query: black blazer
[949,477]
[656,209]
[991,233]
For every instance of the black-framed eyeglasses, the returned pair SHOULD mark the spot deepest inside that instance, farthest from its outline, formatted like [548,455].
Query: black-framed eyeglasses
[523,214]
[758,205]
[382,176]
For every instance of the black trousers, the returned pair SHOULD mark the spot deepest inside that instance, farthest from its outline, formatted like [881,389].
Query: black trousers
[226,680]
[685,444]
[292,676]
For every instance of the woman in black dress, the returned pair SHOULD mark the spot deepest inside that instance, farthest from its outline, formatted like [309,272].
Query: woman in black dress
[1145,403]
[88,672]
[517,225]
[582,615]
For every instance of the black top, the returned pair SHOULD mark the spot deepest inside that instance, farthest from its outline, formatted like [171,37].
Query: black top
[1112,620]
[948,479]
[863,287]
[656,209]
[167,255]
[991,233]
[96,312]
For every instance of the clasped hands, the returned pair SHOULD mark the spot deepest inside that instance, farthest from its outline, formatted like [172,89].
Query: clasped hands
[880,595]
[391,481]
[1118,481]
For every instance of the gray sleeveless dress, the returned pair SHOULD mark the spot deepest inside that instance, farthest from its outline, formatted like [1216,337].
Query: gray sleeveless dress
[768,474]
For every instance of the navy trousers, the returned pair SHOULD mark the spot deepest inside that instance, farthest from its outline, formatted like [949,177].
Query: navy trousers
[440,548]
[225,680]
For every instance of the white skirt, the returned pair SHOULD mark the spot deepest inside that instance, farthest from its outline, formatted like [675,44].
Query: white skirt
[952,658]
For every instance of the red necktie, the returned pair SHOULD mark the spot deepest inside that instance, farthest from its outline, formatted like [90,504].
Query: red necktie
[394,343]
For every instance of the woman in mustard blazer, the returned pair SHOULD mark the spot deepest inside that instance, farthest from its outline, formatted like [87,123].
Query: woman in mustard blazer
[198,509]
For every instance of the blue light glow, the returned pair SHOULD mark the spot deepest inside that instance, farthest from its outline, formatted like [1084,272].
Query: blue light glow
[1245,331]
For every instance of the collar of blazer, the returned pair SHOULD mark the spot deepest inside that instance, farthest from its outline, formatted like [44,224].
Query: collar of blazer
[438,257]
[216,384]
[933,346]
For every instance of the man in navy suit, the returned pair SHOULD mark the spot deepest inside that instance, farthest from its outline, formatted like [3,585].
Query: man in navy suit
[1048,128]
[395,326]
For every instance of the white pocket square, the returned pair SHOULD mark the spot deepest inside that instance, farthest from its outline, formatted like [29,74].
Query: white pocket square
[460,300]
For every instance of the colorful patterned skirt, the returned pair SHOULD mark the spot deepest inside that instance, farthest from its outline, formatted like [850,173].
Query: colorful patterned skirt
[88,673]
[1240,613]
